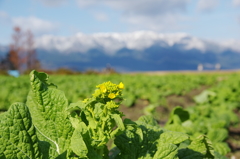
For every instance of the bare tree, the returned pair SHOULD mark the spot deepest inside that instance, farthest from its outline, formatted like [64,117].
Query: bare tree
[31,57]
[16,55]
[22,55]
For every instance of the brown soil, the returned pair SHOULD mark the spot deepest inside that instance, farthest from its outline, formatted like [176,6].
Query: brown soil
[163,110]
[234,138]
[187,99]
[135,111]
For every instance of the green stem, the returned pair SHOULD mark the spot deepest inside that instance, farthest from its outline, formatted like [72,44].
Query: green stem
[100,151]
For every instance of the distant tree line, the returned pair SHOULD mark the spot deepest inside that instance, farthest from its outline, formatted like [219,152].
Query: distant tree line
[22,54]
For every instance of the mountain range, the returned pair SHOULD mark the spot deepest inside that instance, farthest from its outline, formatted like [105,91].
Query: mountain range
[136,51]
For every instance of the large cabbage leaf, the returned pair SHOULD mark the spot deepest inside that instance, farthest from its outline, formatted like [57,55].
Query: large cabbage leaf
[48,106]
[18,137]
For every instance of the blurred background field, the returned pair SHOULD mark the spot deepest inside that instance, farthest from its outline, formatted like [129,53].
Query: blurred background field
[174,58]
[211,98]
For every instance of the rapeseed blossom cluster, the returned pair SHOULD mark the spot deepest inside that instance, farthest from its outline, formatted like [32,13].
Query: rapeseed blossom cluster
[111,105]
[109,90]
[104,119]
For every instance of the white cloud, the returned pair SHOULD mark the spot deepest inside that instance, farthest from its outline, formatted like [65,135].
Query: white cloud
[232,44]
[34,24]
[149,7]
[4,18]
[3,14]
[207,5]
[139,40]
[155,15]
[236,3]
[87,3]
[167,22]
[52,3]
[100,16]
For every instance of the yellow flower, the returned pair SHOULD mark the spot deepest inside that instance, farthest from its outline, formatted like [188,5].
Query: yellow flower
[103,88]
[85,100]
[121,85]
[111,105]
[111,95]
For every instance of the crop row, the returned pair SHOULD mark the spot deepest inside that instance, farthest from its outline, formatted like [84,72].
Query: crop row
[47,126]
[151,88]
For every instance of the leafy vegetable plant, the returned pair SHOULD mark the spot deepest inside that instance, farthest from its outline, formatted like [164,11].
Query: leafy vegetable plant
[47,127]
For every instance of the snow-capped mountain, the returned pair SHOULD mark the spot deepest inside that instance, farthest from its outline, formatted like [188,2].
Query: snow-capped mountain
[112,42]
[136,51]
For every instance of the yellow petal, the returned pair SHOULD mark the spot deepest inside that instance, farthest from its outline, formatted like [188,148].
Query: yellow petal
[111,95]
[103,89]
[121,85]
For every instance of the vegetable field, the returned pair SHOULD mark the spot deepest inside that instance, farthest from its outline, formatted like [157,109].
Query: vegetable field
[122,116]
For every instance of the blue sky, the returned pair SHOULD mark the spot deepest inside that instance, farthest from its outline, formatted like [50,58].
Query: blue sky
[207,19]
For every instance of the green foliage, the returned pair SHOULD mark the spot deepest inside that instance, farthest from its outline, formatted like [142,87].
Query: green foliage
[48,127]
[18,137]
[150,88]
[48,107]
[96,122]
[214,128]
[146,140]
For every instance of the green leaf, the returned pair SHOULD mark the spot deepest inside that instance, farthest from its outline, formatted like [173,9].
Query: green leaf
[178,116]
[222,148]
[48,106]
[144,141]
[218,156]
[204,96]
[138,141]
[173,137]
[120,126]
[217,135]
[18,137]
[190,154]
[129,143]
[166,151]
[81,143]
[176,127]
[78,145]
[118,121]
[200,148]
[148,119]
